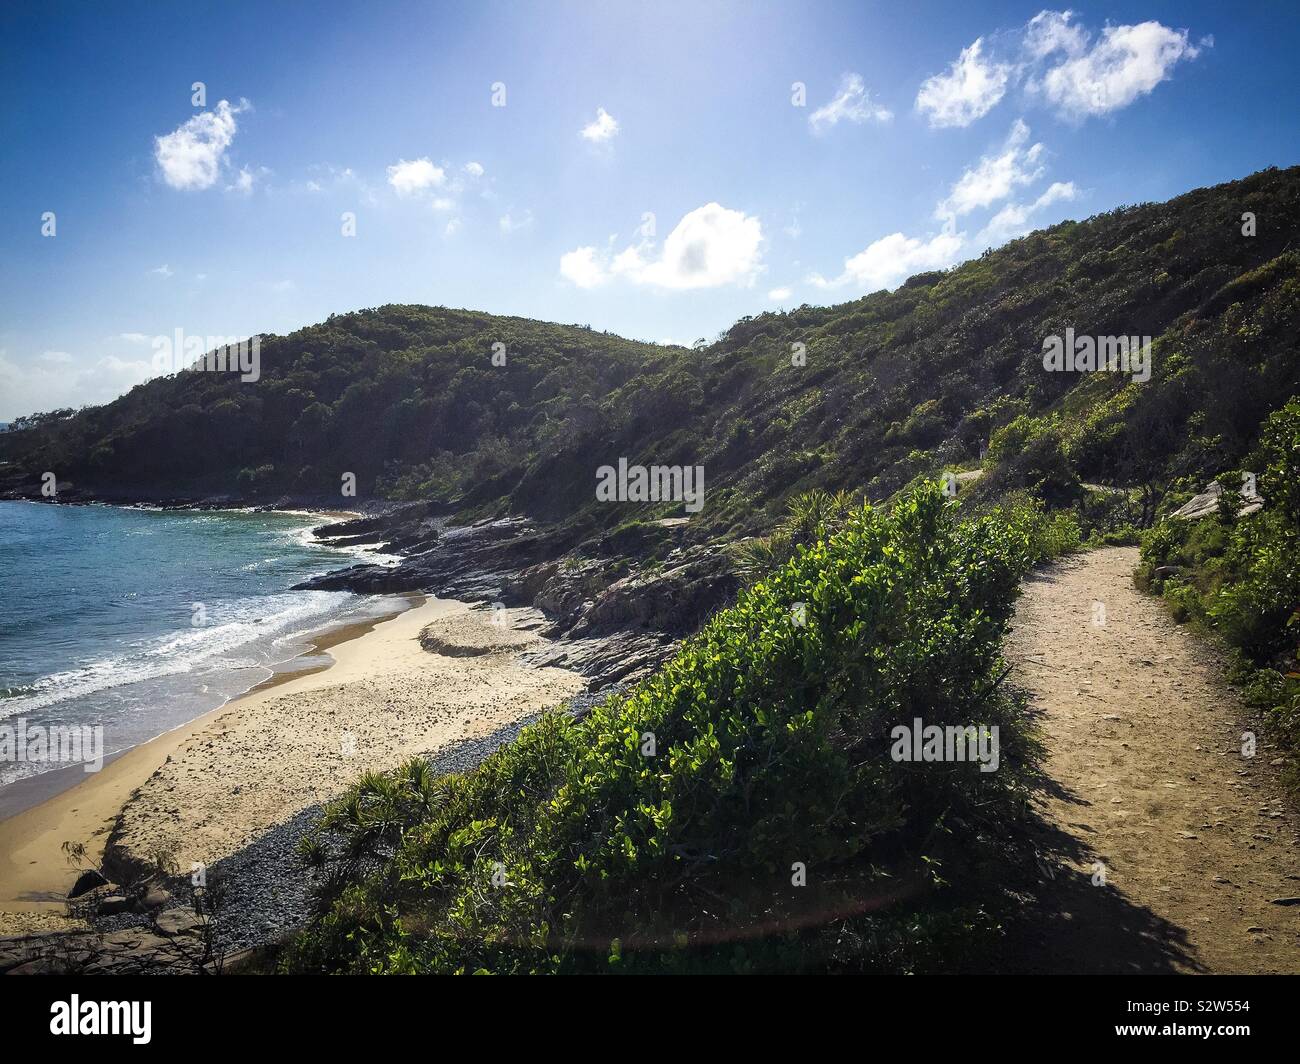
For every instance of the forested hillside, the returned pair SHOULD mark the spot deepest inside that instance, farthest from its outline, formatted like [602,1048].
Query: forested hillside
[883,389]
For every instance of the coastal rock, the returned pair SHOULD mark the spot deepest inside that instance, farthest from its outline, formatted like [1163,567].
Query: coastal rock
[154,898]
[43,966]
[570,588]
[87,882]
[128,951]
[1207,503]
[618,659]
[179,922]
[676,599]
[530,582]
[615,620]
[412,529]
[468,562]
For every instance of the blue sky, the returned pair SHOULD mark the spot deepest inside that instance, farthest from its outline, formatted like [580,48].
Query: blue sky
[651,172]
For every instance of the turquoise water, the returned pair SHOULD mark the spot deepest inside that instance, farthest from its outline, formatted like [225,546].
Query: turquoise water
[137,621]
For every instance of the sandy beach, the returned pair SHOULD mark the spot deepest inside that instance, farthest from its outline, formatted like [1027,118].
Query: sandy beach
[204,791]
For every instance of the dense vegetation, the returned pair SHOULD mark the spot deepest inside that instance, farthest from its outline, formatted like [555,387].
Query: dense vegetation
[895,385]
[1239,576]
[665,831]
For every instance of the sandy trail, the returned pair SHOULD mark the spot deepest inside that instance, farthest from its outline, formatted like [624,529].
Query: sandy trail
[1149,779]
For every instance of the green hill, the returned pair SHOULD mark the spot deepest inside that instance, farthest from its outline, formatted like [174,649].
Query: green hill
[895,384]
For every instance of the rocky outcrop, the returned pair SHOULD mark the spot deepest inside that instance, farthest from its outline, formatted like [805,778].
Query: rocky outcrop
[615,615]
[469,562]
[410,529]
[175,942]
[1207,503]
[613,661]
[675,598]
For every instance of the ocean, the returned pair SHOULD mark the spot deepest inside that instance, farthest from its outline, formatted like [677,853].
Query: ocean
[134,621]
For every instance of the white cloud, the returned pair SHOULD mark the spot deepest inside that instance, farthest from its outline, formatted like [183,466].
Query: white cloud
[192,155]
[410,178]
[894,258]
[582,267]
[602,129]
[779,295]
[327,179]
[969,90]
[1056,60]
[1049,32]
[162,271]
[474,169]
[995,177]
[57,379]
[451,227]
[710,246]
[442,203]
[852,104]
[509,223]
[1015,219]
[1126,63]
[243,182]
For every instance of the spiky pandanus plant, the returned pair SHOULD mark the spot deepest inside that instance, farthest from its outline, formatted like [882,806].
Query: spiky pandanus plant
[810,517]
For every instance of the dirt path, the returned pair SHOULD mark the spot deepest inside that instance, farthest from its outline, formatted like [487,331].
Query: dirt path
[1149,780]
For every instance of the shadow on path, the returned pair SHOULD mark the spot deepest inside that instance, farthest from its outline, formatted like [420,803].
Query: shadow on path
[1070,926]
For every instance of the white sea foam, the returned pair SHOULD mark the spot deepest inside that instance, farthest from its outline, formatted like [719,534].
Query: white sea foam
[143,686]
[239,636]
[303,537]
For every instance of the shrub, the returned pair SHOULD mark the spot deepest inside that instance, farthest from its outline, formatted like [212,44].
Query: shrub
[1048,534]
[571,849]
[1240,576]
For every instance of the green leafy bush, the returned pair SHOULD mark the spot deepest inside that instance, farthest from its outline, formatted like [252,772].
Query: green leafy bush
[1239,576]
[572,849]
[1049,534]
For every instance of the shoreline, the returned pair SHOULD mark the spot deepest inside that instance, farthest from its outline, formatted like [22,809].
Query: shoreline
[26,792]
[207,789]
[329,513]
[59,796]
